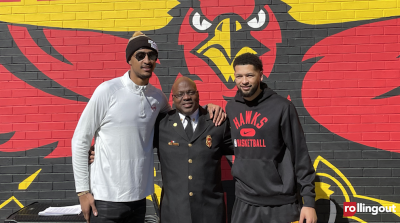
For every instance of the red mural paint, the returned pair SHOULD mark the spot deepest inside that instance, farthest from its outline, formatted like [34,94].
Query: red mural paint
[39,118]
[215,8]
[341,91]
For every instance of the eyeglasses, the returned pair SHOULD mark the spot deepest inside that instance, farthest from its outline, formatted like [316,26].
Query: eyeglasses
[152,55]
[181,94]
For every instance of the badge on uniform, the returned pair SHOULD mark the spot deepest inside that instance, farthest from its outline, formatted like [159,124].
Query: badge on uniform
[173,143]
[208,141]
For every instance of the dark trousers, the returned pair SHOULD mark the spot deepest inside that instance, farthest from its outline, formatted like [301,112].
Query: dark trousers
[247,213]
[119,212]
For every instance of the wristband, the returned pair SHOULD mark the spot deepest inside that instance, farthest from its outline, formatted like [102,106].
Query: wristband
[83,193]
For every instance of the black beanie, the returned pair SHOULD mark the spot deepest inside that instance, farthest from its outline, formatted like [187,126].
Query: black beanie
[137,41]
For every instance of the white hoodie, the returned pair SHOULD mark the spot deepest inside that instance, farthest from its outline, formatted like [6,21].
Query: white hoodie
[121,116]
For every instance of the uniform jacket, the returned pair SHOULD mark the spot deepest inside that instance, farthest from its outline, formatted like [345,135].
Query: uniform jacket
[271,155]
[191,169]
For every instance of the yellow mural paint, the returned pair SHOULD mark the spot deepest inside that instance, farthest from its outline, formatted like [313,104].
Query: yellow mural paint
[238,26]
[222,37]
[27,182]
[109,15]
[222,63]
[157,191]
[11,199]
[322,191]
[22,186]
[318,12]
[341,187]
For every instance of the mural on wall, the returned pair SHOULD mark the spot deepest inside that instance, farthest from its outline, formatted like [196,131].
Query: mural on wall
[338,62]
[345,192]
[22,186]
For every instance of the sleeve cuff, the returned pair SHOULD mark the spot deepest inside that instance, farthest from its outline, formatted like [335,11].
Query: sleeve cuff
[309,201]
[81,188]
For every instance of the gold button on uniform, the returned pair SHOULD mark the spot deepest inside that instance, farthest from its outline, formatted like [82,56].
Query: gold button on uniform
[190,161]
[191,194]
[190,177]
[190,145]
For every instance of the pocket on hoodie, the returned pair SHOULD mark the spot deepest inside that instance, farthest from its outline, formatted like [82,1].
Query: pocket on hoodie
[257,177]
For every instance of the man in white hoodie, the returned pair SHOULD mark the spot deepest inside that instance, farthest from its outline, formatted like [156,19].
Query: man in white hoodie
[120,116]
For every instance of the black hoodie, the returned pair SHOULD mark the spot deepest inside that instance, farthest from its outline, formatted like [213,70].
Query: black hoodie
[271,154]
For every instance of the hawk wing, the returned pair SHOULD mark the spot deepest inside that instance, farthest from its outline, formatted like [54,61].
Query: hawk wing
[352,90]
[43,95]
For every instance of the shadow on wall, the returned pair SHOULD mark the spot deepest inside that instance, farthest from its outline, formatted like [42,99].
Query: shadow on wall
[328,208]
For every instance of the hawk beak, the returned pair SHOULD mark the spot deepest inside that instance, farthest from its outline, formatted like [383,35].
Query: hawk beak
[222,48]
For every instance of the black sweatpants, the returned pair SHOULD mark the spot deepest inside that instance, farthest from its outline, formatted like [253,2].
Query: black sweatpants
[247,213]
[119,212]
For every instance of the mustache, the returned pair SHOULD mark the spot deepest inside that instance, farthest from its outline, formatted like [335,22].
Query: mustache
[150,66]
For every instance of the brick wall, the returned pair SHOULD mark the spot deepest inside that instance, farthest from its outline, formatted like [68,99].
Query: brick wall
[337,61]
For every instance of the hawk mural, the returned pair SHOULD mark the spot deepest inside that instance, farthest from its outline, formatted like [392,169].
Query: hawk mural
[337,61]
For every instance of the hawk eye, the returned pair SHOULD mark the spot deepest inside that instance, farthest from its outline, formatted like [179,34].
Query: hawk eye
[258,21]
[199,23]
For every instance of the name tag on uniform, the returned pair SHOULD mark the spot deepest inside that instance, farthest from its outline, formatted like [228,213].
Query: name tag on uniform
[173,143]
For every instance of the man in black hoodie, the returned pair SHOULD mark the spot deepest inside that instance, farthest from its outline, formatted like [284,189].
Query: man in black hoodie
[271,156]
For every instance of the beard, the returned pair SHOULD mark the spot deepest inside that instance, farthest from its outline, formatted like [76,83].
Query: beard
[140,73]
[249,93]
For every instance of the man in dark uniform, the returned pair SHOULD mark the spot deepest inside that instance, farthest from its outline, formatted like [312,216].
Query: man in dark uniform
[190,148]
